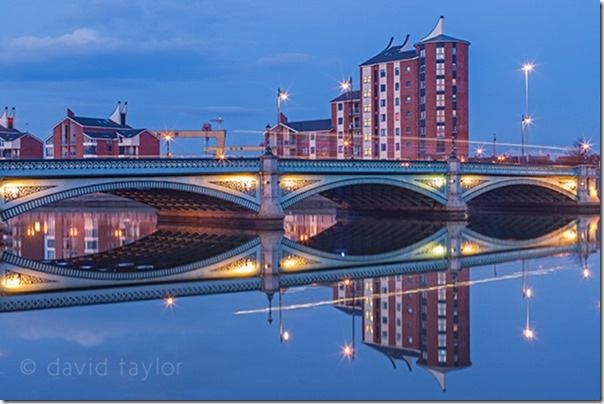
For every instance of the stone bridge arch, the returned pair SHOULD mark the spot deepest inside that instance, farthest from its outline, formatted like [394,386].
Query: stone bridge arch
[408,191]
[533,188]
[20,198]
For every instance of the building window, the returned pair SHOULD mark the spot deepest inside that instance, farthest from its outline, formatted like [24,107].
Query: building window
[442,325]
[383,102]
[340,149]
[422,53]
[367,107]
[382,88]
[367,122]
[367,93]
[440,115]
[384,320]
[397,131]
[440,100]
[382,132]
[384,305]
[312,136]
[398,146]
[366,79]
[383,118]
[408,114]
[382,73]
[440,69]
[408,129]
[408,83]
[397,101]
[442,309]
[340,121]
[397,86]
[440,84]
[340,135]
[397,71]
[367,151]
[397,116]
[442,355]
[383,147]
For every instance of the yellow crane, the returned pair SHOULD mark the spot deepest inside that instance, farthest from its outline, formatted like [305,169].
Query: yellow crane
[206,132]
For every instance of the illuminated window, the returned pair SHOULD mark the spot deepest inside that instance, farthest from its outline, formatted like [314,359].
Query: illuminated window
[367,122]
[367,92]
[367,79]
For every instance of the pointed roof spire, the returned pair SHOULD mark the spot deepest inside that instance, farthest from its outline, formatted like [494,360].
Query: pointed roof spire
[438,34]
[440,376]
[115,115]
[438,29]
[4,118]
[125,108]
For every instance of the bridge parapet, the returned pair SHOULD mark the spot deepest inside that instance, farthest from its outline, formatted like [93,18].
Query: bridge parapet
[115,167]
[361,166]
[510,169]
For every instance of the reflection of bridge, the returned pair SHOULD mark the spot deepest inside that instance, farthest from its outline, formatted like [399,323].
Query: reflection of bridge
[262,188]
[184,262]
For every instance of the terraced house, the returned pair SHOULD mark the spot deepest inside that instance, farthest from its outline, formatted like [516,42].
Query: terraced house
[85,137]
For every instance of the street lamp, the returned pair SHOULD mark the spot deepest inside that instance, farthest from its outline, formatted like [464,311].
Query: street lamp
[168,137]
[526,119]
[479,151]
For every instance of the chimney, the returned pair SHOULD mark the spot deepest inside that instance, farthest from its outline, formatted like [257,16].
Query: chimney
[70,113]
[11,119]
[123,114]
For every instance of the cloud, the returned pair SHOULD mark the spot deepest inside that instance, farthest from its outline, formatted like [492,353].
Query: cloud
[284,58]
[86,41]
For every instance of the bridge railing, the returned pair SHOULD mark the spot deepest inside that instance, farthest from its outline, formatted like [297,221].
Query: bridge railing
[516,169]
[50,168]
[359,166]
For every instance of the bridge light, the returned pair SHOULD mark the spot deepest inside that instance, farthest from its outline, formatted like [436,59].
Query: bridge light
[479,151]
[347,281]
[585,146]
[570,185]
[437,182]
[469,248]
[291,262]
[570,235]
[246,267]
[586,273]
[11,280]
[37,227]
[438,249]
[11,191]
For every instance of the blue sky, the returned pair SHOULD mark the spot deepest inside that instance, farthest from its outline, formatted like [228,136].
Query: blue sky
[179,64]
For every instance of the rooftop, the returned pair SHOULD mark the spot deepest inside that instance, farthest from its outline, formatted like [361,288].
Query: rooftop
[9,135]
[114,134]
[348,95]
[98,122]
[310,126]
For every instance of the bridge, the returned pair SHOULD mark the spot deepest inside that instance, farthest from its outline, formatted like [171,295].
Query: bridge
[263,188]
[191,261]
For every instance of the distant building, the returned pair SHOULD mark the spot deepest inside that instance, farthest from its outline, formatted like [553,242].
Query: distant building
[412,104]
[84,137]
[15,144]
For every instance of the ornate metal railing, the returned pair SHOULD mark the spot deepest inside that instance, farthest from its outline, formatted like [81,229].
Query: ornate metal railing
[509,169]
[361,166]
[46,168]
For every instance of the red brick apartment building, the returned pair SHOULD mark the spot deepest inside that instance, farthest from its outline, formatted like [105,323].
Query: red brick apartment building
[412,104]
[15,144]
[79,137]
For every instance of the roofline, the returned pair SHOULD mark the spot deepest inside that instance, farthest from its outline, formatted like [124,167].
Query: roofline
[389,61]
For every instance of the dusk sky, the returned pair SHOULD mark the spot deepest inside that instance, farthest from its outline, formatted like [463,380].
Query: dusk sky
[182,63]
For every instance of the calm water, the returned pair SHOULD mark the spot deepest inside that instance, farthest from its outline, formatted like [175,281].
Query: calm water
[365,309]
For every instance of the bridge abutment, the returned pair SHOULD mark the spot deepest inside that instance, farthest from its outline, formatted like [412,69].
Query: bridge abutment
[587,191]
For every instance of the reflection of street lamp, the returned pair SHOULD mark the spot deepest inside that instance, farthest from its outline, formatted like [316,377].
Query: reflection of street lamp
[526,119]
[284,335]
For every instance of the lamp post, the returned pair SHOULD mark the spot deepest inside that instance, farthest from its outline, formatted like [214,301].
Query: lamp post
[526,119]
[346,88]
[168,137]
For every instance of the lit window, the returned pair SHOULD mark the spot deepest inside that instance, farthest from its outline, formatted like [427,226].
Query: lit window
[367,122]
[367,108]
[367,93]
[367,79]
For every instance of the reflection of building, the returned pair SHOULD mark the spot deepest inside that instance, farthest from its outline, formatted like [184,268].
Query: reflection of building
[413,103]
[302,227]
[62,233]
[82,137]
[15,144]
[424,317]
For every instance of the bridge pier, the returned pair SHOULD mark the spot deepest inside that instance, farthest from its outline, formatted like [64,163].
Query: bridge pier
[455,204]
[271,211]
[587,191]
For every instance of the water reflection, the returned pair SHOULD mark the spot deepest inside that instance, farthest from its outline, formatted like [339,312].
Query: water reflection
[404,284]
